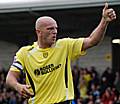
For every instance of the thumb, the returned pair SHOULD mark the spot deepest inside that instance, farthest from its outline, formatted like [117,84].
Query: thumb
[28,90]
[28,86]
[106,6]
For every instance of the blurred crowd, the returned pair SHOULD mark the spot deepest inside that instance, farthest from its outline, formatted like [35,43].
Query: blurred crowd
[8,95]
[89,86]
[92,88]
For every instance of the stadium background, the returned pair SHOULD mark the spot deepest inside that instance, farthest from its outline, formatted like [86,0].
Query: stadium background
[76,18]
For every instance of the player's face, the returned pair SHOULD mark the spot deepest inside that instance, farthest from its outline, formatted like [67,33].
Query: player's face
[48,33]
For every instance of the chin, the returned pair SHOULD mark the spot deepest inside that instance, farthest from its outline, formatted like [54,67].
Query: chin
[52,43]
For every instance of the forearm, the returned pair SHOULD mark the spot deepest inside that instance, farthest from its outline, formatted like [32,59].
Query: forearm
[98,34]
[24,90]
[11,79]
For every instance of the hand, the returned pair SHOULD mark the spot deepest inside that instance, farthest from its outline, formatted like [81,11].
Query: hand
[108,14]
[24,90]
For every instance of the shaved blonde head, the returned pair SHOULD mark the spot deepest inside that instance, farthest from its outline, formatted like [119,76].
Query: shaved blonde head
[42,21]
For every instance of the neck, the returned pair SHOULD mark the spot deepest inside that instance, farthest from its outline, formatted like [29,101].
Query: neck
[42,45]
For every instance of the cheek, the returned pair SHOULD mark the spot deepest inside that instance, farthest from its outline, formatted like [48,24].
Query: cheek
[48,35]
[46,38]
[45,35]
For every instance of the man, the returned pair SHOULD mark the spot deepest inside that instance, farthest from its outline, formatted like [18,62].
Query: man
[47,62]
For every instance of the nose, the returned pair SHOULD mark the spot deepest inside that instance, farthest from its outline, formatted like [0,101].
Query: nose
[54,31]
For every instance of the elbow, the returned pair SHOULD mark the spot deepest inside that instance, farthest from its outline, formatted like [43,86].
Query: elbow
[94,43]
[89,42]
[7,80]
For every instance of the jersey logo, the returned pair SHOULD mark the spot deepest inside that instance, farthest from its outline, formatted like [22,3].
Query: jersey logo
[46,69]
[45,54]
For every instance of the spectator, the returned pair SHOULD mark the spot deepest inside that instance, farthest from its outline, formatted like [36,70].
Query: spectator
[108,96]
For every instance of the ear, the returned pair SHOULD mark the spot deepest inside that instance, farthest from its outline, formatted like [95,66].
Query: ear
[38,31]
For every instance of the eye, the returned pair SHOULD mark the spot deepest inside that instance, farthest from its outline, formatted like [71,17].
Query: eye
[51,28]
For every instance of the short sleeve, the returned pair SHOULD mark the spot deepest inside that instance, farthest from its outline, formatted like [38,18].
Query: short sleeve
[75,48]
[18,62]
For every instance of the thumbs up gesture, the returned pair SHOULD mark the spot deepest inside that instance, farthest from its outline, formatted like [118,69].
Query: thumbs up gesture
[108,14]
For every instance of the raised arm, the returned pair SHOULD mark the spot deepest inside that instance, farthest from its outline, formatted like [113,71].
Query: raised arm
[97,35]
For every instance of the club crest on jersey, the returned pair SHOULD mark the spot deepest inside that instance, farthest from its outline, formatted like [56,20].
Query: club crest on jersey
[45,54]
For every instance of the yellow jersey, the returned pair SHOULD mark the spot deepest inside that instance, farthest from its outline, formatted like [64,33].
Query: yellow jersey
[48,70]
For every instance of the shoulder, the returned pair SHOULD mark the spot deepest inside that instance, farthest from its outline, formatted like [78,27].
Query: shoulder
[63,40]
[26,48]
[70,40]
